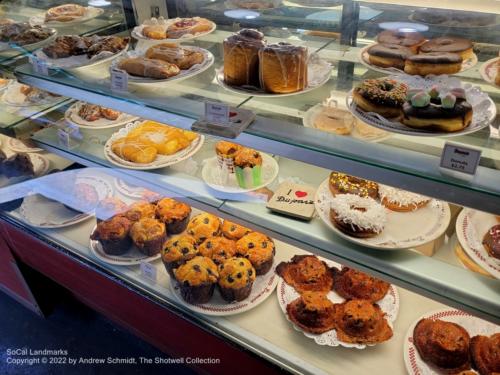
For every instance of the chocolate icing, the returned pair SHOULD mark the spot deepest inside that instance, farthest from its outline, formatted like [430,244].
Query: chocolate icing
[250,37]
[284,47]
[446,44]
[400,38]
[492,241]
[392,51]
[435,111]
[383,91]
[436,58]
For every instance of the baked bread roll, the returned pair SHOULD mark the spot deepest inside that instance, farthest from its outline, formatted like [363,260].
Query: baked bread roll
[150,68]
[283,68]
[182,57]
[241,58]
[65,13]
[155,31]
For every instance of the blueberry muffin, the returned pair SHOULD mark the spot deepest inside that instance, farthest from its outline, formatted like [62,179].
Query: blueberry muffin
[197,278]
[218,249]
[258,249]
[203,226]
[236,277]
[174,214]
[149,235]
[177,251]
[233,231]
[113,235]
[109,207]
[140,210]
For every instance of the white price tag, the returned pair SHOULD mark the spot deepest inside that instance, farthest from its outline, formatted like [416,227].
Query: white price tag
[148,271]
[217,113]
[119,80]
[64,137]
[39,66]
[460,158]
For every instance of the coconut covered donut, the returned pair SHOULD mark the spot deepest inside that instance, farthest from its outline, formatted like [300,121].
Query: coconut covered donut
[360,217]
[401,200]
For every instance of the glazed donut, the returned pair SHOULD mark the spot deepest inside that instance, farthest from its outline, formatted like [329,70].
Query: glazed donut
[389,55]
[356,216]
[340,183]
[405,39]
[383,96]
[401,200]
[447,112]
[449,44]
[433,63]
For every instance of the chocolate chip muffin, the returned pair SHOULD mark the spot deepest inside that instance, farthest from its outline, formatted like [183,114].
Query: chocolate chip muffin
[203,226]
[177,251]
[218,249]
[196,279]
[233,231]
[258,249]
[236,277]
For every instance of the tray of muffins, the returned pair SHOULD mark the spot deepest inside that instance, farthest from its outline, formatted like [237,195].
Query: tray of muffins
[413,105]
[238,169]
[254,67]
[336,305]
[412,53]
[379,216]
[479,236]
[450,341]
[173,30]
[220,268]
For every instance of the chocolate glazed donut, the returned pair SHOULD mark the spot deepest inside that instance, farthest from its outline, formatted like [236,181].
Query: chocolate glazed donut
[401,38]
[433,63]
[449,44]
[389,55]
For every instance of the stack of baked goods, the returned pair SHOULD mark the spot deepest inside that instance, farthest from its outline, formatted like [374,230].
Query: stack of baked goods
[144,142]
[411,52]
[218,254]
[447,348]
[250,62]
[22,33]
[357,319]
[163,61]
[173,29]
[436,109]
[359,207]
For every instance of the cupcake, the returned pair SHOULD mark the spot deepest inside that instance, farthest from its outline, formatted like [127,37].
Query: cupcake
[177,251]
[236,277]
[203,226]
[149,235]
[233,231]
[218,249]
[109,207]
[258,249]
[197,278]
[174,214]
[140,210]
[226,151]
[248,168]
[113,235]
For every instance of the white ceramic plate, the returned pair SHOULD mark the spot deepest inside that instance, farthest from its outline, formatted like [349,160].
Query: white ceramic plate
[364,59]
[41,212]
[403,230]
[14,97]
[319,72]
[137,31]
[71,116]
[161,161]
[132,257]
[262,288]
[474,326]
[489,70]
[471,226]
[90,13]
[287,294]
[452,23]
[29,47]
[19,146]
[484,109]
[184,74]
[310,117]
[216,179]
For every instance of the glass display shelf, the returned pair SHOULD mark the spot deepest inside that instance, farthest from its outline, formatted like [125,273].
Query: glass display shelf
[263,330]
[409,162]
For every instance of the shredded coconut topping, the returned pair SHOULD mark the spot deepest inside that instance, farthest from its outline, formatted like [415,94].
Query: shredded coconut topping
[400,197]
[347,207]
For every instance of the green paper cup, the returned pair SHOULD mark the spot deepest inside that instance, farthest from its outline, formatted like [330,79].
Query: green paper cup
[249,177]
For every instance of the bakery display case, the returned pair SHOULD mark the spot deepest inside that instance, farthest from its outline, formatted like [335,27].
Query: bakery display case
[295,179]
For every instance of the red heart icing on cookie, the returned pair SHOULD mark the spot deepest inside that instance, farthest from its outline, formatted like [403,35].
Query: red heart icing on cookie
[300,194]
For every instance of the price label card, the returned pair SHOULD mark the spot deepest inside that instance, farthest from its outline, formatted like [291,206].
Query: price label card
[64,138]
[460,158]
[39,66]
[149,272]
[217,113]
[119,80]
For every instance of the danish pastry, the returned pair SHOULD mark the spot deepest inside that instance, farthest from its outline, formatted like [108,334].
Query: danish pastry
[191,26]
[149,68]
[184,58]
[65,13]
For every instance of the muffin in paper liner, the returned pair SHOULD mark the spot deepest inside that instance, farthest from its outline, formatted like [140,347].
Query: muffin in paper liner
[226,163]
[249,177]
